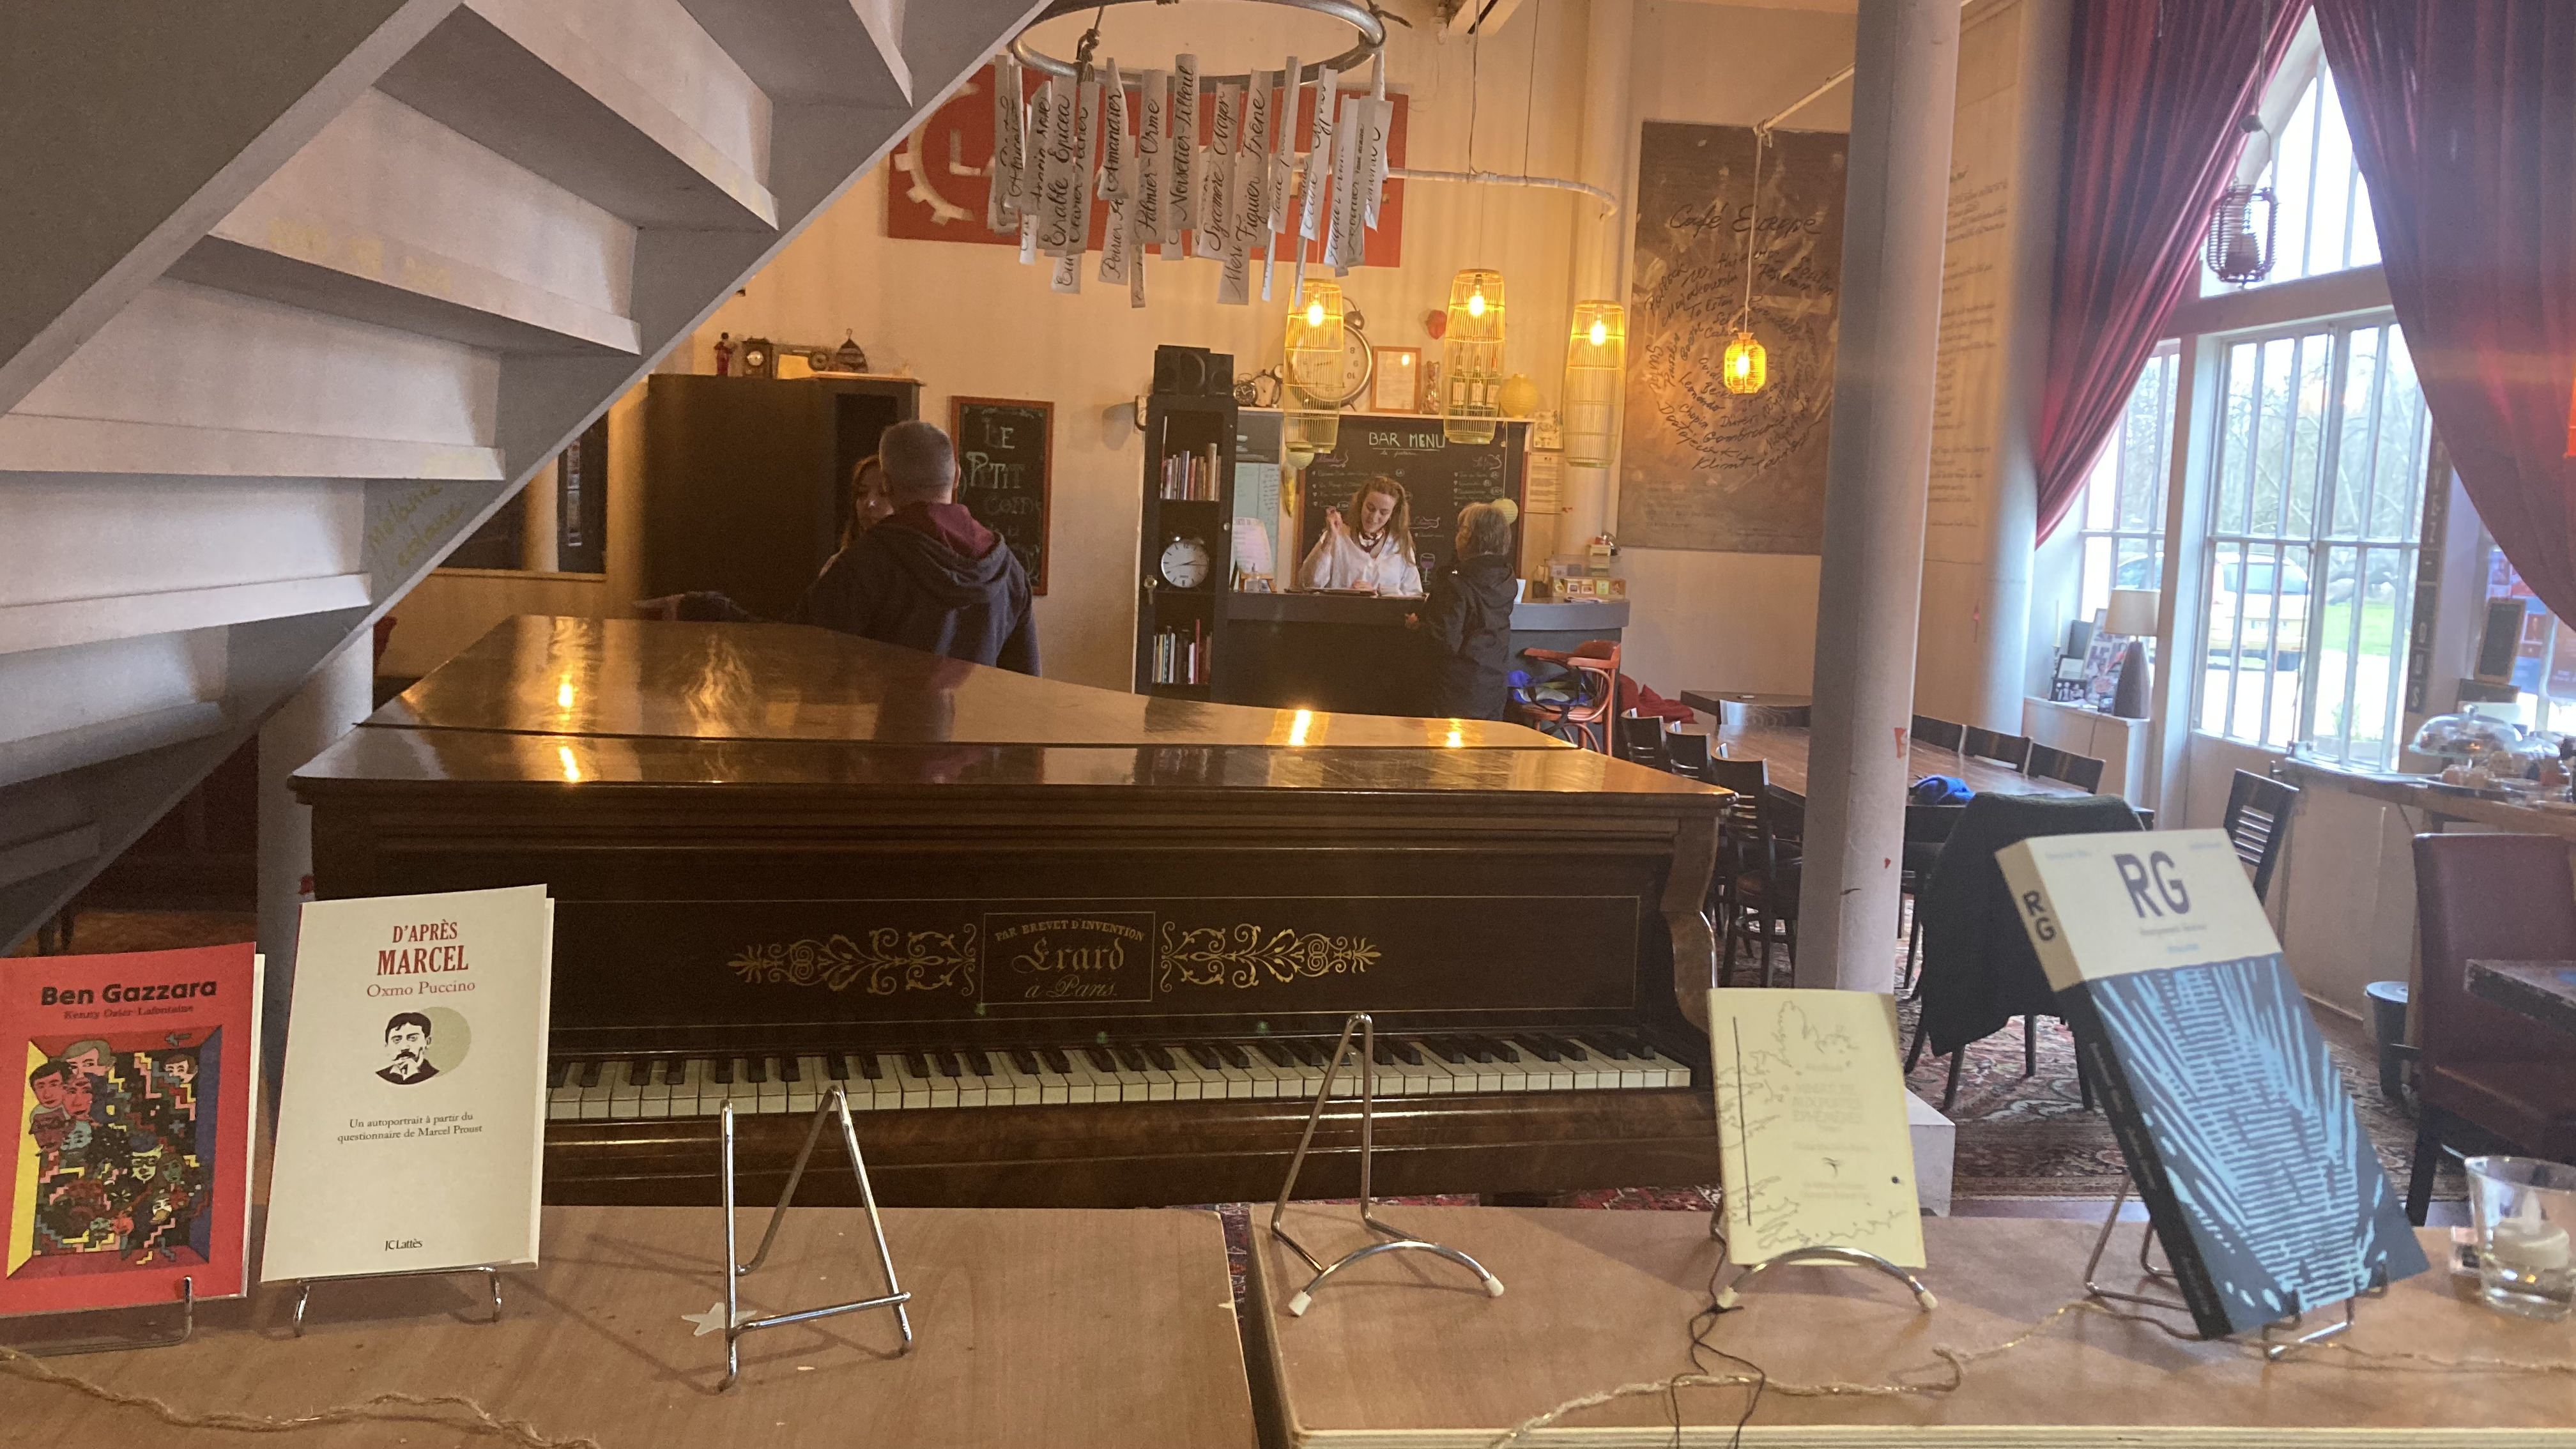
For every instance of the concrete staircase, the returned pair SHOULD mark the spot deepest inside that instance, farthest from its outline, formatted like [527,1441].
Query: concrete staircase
[298,292]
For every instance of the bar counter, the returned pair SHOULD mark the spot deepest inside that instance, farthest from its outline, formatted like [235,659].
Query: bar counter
[1352,653]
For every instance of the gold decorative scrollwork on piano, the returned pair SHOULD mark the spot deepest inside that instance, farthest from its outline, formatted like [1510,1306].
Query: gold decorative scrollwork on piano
[889,961]
[1244,956]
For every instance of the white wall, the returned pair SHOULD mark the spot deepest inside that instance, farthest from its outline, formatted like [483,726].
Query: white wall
[1743,621]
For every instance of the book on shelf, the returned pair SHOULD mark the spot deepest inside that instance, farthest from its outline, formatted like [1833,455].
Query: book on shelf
[1812,1143]
[2262,1186]
[411,1126]
[136,1079]
[1182,658]
[1190,477]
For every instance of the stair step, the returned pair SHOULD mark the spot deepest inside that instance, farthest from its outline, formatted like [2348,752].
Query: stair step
[514,78]
[58,623]
[815,52]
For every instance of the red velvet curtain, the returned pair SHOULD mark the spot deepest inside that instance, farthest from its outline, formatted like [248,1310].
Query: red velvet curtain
[2463,117]
[2154,91]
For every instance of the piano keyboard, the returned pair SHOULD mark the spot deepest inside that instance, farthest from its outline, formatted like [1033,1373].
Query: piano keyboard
[615,1088]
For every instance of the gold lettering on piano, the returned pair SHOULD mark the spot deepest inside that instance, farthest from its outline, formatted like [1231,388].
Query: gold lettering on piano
[890,961]
[1243,956]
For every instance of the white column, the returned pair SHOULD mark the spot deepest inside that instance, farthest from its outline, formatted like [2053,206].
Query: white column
[1869,590]
[340,693]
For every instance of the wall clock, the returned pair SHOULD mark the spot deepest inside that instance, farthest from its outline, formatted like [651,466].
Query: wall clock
[759,358]
[1185,563]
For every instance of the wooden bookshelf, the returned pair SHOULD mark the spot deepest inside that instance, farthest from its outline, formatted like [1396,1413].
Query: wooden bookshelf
[1189,497]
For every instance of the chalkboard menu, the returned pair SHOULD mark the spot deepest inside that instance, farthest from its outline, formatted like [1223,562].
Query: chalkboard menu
[1004,451]
[1439,477]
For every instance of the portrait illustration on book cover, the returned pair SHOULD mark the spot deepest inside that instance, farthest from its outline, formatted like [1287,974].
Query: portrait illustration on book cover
[125,1127]
[114,1155]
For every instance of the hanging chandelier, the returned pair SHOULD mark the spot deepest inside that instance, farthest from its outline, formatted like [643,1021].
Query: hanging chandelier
[1471,357]
[1268,180]
[2238,252]
[1747,366]
[1596,365]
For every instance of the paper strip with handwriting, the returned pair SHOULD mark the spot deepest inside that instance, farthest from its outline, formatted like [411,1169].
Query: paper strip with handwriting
[1811,1124]
[2264,1190]
[129,1104]
[411,1127]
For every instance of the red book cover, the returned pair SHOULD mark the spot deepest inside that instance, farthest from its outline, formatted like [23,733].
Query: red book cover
[128,1117]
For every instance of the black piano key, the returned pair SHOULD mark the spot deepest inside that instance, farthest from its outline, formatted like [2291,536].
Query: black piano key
[789,1071]
[1408,1051]
[1101,1060]
[1564,1047]
[639,1071]
[1532,1044]
[1488,1049]
[559,1073]
[946,1063]
[1129,1059]
[1384,1055]
[1053,1059]
[1447,1050]
[721,1072]
[1026,1061]
[1233,1054]
[1606,1045]
[837,1064]
[1206,1055]
[978,1064]
[870,1068]
[1157,1056]
[915,1067]
[590,1074]
[1277,1054]
[755,1069]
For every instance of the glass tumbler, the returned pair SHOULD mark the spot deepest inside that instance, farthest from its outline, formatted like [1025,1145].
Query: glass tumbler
[2525,1210]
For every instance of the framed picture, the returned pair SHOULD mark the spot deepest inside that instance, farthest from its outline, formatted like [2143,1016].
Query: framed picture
[1397,386]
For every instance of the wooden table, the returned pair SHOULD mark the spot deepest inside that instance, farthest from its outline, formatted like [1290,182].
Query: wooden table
[1403,1350]
[1784,749]
[2545,991]
[2440,806]
[1036,1328]
[1717,704]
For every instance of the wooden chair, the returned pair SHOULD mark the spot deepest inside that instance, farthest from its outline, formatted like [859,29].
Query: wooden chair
[1687,750]
[1641,740]
[2003,749]
[1590,719]
[2498,898]
[2258,824]
[2047,762]
[1755,893]
[1938,733]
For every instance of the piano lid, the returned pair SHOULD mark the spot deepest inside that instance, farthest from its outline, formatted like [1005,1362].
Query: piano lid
[632,678]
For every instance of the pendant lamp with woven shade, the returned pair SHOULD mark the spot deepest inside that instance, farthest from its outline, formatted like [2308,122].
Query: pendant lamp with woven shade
[1471,357]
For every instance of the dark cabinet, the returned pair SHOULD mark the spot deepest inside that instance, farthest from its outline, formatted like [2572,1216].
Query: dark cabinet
[747,479]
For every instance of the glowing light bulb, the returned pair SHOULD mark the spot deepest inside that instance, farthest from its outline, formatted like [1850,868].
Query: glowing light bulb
[1315,313]
[1476,304]
[1600,333]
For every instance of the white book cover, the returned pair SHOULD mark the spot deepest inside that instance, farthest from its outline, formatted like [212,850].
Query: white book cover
[411,1124]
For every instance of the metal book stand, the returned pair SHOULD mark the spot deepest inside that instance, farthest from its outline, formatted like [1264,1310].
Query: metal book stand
[109,1342]
[1398,1240]
[491,1284]
[2273,1344]
[1812,1253]
[834,1103]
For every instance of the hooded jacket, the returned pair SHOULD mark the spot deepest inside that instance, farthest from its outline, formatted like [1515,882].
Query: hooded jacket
[930,578]
[1469,625]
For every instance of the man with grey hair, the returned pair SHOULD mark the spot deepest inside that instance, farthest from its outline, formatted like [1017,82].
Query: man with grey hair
[928,576]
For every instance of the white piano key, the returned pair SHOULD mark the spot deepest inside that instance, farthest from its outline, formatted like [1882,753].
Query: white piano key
[974,1089]
[1055,1088]
[1160,1085]
[1190,1081]
[563,1104]
[626,1094]
[813,1079]
[594,1099]
[770,1092]
[654,1100]
[1023,1089]
[912,1092]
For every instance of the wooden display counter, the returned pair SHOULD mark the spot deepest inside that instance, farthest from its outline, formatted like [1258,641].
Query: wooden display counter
[1037,1330]
[1405,1350]
[1352,654]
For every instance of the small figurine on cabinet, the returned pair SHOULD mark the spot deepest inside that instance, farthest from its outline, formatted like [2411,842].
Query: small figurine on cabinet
[849,357]
[724,354]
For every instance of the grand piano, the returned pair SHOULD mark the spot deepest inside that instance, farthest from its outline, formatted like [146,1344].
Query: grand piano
[1062,945]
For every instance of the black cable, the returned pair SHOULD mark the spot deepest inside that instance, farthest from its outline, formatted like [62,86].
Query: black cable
[1702,1324]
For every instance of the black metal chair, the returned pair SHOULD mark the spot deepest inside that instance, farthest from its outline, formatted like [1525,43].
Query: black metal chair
[2003,749]
[1926,826]
[2047,762]
[1755,893]
[1687,750]
[2258,824]
[1641,740]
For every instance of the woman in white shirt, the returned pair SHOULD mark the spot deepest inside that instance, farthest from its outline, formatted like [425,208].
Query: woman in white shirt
[1372,550]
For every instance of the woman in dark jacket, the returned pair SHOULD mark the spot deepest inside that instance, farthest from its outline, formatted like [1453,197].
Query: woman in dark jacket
[1467,623]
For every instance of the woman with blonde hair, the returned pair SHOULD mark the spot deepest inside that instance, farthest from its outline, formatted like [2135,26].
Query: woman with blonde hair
[1371,551]
[869,500]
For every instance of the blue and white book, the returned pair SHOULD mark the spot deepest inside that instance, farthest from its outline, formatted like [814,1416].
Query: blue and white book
[2261,1184]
